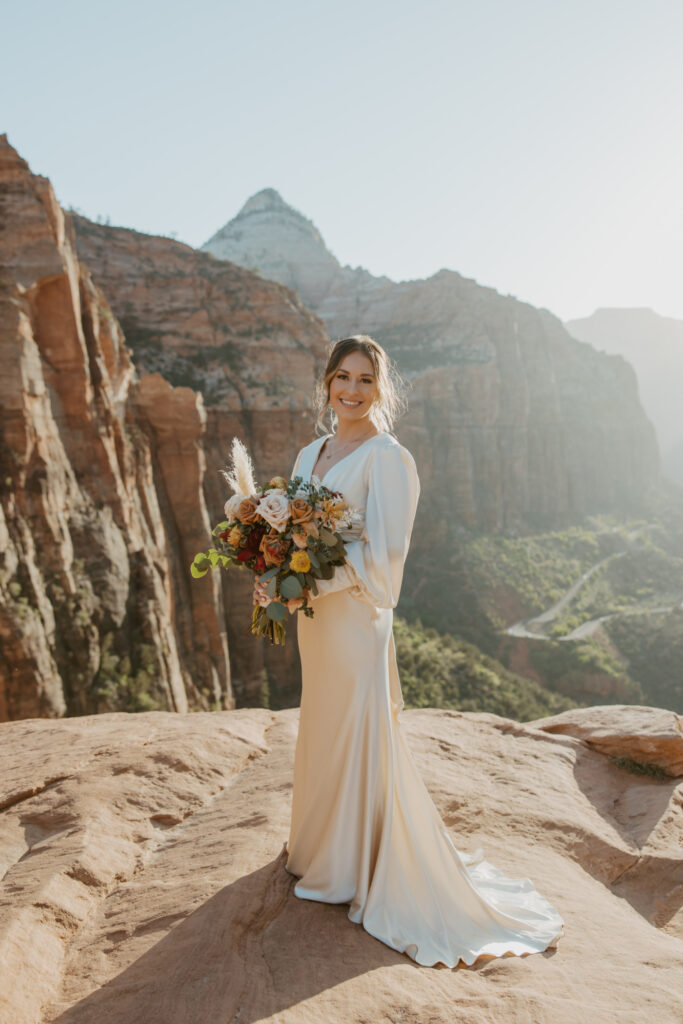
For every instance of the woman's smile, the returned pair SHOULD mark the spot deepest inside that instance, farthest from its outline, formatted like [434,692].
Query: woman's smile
[353,388]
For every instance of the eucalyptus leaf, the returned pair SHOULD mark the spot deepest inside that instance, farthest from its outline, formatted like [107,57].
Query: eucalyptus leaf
[271,588]
[290,587]
[275,611]
[269,574]
[327,537]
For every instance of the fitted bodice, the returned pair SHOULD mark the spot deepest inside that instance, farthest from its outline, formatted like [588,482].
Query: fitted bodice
[379,480]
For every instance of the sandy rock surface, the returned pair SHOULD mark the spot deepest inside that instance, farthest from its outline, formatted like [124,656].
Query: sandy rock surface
[649,736]
[143,879]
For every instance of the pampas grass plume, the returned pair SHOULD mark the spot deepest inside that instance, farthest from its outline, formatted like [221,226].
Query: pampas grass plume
[241,472]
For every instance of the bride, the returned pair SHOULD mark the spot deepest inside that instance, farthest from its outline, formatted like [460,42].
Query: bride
[364,829]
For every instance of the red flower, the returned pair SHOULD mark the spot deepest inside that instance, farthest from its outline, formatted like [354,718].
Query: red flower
[260,564]
[253,542]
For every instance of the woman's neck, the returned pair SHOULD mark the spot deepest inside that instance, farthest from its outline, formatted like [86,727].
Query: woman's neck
[347,433]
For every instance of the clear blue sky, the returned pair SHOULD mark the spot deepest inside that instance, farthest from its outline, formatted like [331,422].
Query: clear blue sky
[534,145]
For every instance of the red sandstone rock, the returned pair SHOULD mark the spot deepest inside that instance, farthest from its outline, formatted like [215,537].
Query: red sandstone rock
[254,350]
[143,877]
[649,736]
[92,588]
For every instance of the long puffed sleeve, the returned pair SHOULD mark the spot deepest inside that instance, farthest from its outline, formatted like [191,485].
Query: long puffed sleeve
[374,567]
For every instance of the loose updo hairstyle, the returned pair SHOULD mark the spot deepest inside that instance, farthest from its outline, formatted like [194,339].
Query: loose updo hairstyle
[390,403]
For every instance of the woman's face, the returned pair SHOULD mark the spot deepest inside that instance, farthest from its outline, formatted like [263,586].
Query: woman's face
[353,387]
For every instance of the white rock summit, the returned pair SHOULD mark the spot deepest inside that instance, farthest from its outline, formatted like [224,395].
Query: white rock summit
[270,236]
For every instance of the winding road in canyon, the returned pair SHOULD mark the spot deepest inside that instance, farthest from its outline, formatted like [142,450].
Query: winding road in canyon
[536,628]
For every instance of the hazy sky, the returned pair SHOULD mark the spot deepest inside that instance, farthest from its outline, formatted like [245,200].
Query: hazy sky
[534,145]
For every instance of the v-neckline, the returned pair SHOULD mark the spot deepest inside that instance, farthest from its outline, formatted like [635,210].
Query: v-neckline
[343,458]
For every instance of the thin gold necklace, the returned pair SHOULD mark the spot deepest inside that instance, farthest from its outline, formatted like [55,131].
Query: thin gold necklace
[356,441]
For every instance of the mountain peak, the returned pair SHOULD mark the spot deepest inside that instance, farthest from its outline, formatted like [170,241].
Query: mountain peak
[270,236]
[268,199]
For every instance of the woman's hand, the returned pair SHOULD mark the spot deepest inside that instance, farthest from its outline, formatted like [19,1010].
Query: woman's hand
[260,596]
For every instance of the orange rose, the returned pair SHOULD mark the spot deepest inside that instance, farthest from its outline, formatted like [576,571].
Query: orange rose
[300,539]
[274,548]
[246,511]
[300,510]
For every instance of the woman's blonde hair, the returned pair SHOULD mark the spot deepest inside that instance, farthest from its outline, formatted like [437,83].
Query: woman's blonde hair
[391,387]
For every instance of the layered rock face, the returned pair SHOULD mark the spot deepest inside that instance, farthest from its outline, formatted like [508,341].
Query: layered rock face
[253,350]
[143,872]
[523,426]
[94,610]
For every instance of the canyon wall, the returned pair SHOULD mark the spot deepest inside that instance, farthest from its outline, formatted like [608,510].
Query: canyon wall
[110,465]
[95,610]
[514,424]
[253,350]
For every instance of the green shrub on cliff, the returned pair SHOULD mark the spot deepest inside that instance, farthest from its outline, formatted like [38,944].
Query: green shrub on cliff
[437,670]
[653,646]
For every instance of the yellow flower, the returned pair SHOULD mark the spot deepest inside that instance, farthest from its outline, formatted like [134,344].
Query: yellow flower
[300,562]
[235,537]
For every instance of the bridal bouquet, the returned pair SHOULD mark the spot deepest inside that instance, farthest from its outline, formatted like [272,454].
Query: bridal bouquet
[286,533]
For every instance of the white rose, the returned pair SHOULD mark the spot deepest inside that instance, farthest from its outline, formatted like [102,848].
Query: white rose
[232,504]
[274,507]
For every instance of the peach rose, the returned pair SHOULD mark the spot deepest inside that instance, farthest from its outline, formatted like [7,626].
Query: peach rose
[300,539]
[246,511]
[301,511]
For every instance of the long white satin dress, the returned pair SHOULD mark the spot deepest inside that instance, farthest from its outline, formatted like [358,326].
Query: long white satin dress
[364,829]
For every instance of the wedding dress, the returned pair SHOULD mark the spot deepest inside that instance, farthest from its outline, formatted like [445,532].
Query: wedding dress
[364,829]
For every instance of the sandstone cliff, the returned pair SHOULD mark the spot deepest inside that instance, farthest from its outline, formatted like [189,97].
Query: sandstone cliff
[143,877]
[522,426]
[95,608]
[253,351]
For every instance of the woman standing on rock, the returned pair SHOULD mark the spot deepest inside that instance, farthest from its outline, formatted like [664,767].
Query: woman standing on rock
[364,829]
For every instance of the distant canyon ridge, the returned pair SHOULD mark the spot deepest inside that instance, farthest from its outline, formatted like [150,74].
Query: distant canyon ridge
[132,360]
[653,345]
